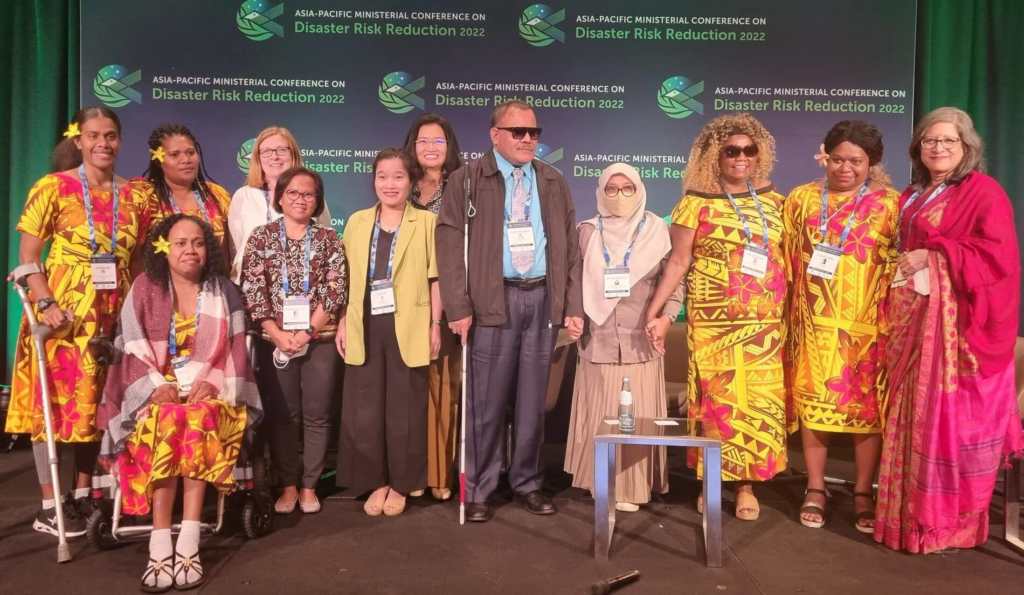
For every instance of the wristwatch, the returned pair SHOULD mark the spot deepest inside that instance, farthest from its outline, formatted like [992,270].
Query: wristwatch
[44,304]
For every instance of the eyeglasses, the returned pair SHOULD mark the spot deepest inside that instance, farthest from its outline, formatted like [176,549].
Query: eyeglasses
[279,151]
[625,191]
[839,161]
[947,143]
[733,151]
[296,196]
[437,142]
[520,132]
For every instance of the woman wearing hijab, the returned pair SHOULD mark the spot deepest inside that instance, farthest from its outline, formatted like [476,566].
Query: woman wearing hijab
[624,249]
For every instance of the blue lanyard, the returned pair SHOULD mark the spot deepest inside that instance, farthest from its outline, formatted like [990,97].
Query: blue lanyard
[913,198]
[199,202]
[826,218]
[266,197]
[529,197]
[87,199]
[743,218]
[629,249]
[172,336]
[373,248]
[285,284]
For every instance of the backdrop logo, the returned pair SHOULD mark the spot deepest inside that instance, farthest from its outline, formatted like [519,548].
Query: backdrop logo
[545,154]
[537,25]
[244,155]
[113,86]
[397,92]
[676,97]
[255,19]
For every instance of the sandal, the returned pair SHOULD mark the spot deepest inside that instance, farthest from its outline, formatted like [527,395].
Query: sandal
[864,521]
[813,509]
[750,508]
[282,506]
[700,504]
[183,566]
[395,504]
[441,494]
[375,503]
[151,577]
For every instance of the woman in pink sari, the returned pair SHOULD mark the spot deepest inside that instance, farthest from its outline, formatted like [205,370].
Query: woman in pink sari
[951,417]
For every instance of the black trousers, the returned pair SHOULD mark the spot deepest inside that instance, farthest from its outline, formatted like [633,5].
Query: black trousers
[383,416]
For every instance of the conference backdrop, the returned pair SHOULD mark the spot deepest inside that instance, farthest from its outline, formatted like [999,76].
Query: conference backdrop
[630,81]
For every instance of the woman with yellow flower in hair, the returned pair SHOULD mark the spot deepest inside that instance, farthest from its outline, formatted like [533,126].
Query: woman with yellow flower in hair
[727,236]
[180,393]
[91,218]
[176,181]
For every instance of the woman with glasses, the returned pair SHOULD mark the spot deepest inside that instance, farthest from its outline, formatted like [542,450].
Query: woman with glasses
[951,415]
[839,234]
[624,249]
[295,285]
[727,240]
[274,151]
[434,150]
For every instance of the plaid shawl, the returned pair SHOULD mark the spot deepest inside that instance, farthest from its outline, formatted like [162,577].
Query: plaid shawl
[219,355]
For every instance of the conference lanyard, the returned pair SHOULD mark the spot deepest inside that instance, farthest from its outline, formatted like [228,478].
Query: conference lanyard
[87,199]
[850,221]
[910,201]
[743,218]
[285,283]
[199,202]
[373,248]
[629,249]
[266,197]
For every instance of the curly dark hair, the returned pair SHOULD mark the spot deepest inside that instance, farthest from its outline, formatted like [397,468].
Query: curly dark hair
[155,171]
[156,263]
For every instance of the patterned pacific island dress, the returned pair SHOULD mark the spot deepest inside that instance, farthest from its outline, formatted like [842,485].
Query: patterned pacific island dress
[835,355]
[55,212]
[735,333]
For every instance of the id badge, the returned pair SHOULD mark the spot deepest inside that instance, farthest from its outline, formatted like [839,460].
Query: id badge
[104,271]
[616,283]
[520,237]
[824,261]
[184,374]
[755,261]
[382,297]
[296,313]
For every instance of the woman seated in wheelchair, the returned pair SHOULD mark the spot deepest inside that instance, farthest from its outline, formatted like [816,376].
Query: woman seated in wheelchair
[180,393]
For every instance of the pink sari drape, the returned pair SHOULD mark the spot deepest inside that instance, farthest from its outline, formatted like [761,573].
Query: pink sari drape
[951,416]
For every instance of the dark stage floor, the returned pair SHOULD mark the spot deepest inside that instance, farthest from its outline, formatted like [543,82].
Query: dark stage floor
[341,550]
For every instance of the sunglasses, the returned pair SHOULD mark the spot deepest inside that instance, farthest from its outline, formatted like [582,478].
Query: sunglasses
[732,151]
[520,132]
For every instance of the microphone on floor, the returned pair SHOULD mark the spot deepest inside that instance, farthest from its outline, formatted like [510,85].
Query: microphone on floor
[612,584]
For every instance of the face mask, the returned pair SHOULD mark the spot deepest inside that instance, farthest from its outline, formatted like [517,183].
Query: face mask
[621,206]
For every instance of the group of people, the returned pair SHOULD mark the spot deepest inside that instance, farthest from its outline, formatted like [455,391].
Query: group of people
[844,307]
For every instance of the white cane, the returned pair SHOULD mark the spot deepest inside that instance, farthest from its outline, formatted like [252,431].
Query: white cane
[41,332]
[470,212]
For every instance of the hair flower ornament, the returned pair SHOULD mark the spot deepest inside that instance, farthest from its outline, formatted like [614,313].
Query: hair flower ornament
[72,130]
[157,154]
[162,246]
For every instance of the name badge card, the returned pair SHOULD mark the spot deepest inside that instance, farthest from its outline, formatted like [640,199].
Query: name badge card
[382,297]
[824,261]
[104,271]
[184,374]
[755,261]
[520,237]
[616,282]
[296,313]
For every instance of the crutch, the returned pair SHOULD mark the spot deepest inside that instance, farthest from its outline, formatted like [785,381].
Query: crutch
[470,212]
[40,333]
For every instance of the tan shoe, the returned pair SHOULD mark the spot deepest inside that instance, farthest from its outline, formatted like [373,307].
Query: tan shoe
[441,494]
[375,503]
[627,507]
[416,493]
[395,504]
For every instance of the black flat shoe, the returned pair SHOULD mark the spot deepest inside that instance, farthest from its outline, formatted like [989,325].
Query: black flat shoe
[478,513]
[537,503]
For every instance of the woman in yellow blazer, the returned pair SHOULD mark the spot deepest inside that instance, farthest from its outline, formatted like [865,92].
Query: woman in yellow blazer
[390,332]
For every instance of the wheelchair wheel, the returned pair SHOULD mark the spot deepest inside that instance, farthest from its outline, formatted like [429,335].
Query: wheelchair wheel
[98,529]
[257,519]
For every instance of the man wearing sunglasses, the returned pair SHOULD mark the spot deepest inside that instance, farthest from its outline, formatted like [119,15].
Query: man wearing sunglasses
[524,283]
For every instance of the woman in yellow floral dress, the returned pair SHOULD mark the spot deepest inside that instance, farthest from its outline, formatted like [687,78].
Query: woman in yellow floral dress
[79,295]
[176,181]
[728,226]
[839,233]
[180,394]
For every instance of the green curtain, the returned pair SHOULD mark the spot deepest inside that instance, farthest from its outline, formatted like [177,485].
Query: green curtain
[38,97]
[968,56]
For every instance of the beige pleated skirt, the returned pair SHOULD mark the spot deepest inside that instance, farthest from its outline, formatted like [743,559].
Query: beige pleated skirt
[595,396]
